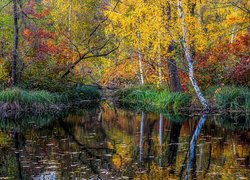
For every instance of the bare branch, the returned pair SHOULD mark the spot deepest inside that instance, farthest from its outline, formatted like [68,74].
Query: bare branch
[84,56]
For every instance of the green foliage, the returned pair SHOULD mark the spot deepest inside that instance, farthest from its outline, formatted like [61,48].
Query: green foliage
[38,78]
[181,100]
[230,97]
[155,98]
[83,93]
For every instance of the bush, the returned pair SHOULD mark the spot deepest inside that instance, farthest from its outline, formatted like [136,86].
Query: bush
[156,98]
[83,93]
[230,97]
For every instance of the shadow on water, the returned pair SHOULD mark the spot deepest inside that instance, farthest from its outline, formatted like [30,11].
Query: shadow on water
[110,143]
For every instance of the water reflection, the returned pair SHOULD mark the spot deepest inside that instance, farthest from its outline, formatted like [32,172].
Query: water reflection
[141,137]
[161,138]
[191,167]
[113,143]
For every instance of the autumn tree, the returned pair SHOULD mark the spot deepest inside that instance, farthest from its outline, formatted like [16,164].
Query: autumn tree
[189,57]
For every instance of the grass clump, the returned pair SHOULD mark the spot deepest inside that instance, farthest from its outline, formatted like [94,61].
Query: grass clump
[29,97]
[45,97]
[230,97]
[155,98]
[83,93]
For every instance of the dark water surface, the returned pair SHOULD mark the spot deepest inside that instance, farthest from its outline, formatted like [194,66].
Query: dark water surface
[113,143]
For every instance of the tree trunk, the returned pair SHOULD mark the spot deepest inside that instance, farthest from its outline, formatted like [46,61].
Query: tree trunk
[175,83]
[140,59]
[159,60]
[234,30]
[141,68]
[189,58]
[69,18]
[160,70]
[15,47]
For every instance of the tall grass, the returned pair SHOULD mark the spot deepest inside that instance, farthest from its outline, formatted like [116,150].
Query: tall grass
[83,93]
[154,98]
[149,97]
[30,97]
[234,98]
[24,97]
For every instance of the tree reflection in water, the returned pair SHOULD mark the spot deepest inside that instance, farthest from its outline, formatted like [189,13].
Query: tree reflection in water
[161,137]
[117,143]
[173,144]
[191,166]
[141,139]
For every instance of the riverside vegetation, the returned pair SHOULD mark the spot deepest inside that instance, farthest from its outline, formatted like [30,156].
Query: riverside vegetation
[225,98]
[16,100]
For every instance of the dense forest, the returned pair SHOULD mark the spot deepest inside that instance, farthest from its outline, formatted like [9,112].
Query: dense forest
[155,46]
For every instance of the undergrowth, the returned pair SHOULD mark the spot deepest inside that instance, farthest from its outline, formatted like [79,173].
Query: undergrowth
[152,98]
[231,97]
[155,98]
[28,97]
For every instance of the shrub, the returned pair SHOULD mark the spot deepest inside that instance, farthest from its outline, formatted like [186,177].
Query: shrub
[154,98]
[83,93]
[230,97]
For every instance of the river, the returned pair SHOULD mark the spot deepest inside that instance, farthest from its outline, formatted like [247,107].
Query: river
[108,142]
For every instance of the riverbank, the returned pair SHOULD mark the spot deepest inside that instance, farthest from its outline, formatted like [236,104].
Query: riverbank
[16,101]
[150,98]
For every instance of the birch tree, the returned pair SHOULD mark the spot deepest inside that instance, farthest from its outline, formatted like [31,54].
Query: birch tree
[189,57]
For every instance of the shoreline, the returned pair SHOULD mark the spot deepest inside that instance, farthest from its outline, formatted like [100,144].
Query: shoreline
[15,109]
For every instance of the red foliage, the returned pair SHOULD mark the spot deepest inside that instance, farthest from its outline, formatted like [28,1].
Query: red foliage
[30,9]
[42,41]
[225,63]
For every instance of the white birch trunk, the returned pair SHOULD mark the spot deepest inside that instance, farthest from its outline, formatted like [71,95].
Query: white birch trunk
[160,70]
[234,30]
[70,14]
[233,35]
[159,64]
[189,58]
[140,59]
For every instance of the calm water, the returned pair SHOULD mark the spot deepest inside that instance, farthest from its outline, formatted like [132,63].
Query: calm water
[113,143]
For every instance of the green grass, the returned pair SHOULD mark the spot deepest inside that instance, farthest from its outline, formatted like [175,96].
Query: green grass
[154,98]
[230,97]
[28,97]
